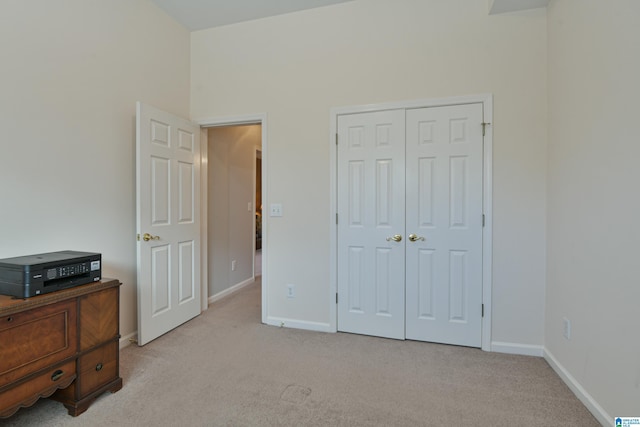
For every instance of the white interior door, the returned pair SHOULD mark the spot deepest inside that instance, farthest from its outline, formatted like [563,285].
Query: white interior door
[425,183]
[371,212]
[444,215]
[168,221]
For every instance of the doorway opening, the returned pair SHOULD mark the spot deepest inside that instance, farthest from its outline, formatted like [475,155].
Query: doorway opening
[233,193]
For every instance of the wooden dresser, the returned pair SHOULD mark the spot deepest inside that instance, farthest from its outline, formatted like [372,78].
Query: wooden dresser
[64,344]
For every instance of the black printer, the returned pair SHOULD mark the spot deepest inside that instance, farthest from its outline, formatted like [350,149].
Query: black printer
[31,275]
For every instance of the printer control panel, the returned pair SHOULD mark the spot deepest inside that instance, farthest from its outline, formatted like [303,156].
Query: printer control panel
[68,270]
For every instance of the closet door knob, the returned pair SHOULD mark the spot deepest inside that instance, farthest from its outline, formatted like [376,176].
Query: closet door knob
[415,238]
[395,238]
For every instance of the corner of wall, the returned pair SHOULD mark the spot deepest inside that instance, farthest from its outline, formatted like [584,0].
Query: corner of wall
[596,410]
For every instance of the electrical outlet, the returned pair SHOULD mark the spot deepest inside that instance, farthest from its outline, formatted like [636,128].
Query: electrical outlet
[291,291]
[566,328]
[233,265]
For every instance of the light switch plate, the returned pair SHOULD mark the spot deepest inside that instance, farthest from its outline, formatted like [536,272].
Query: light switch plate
[276,209]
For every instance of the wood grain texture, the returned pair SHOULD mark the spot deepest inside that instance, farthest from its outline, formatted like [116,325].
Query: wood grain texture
[98,367]
[27,393]
[98,318]
[10,305]
[64,343]
[98,372]
[33,340]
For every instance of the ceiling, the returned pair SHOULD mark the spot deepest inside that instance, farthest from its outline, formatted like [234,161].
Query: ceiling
[504,6]
[200,14]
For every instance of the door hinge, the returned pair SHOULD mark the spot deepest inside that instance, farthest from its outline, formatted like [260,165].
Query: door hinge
[138,237]
[336,297]
[336,139]
[483,220]
[482,310]
[336,218]
[484,125]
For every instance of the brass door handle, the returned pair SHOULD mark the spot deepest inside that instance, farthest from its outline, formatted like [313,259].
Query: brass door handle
[415,238]
[395,238]
[146,237]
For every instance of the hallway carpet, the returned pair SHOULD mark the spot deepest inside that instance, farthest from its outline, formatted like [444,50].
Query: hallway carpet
[224,368]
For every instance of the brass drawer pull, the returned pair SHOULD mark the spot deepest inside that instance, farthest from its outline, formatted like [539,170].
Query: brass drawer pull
[57,375]
[9,319]
[98,367]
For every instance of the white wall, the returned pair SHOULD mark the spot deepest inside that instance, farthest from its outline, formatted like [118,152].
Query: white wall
[296,67]
[231,163]
[592,247]
[70,76]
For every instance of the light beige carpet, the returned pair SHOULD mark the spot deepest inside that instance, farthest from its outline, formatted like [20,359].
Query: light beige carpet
[224,368]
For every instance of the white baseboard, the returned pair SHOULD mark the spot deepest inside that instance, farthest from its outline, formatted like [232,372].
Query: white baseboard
[298,324]
[127,339]
[577,389]
[514,348]
[229,291]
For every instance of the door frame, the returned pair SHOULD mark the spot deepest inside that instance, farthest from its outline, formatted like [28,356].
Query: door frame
[487,195]
[220,121]
[257,155]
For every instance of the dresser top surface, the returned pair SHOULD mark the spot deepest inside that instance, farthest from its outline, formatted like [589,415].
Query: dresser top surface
[10,305]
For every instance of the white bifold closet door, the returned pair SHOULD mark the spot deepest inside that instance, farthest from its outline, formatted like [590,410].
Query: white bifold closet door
[410,224]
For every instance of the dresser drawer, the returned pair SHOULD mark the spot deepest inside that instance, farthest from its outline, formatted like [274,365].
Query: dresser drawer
[26,393]
[97,368]
[33,340]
